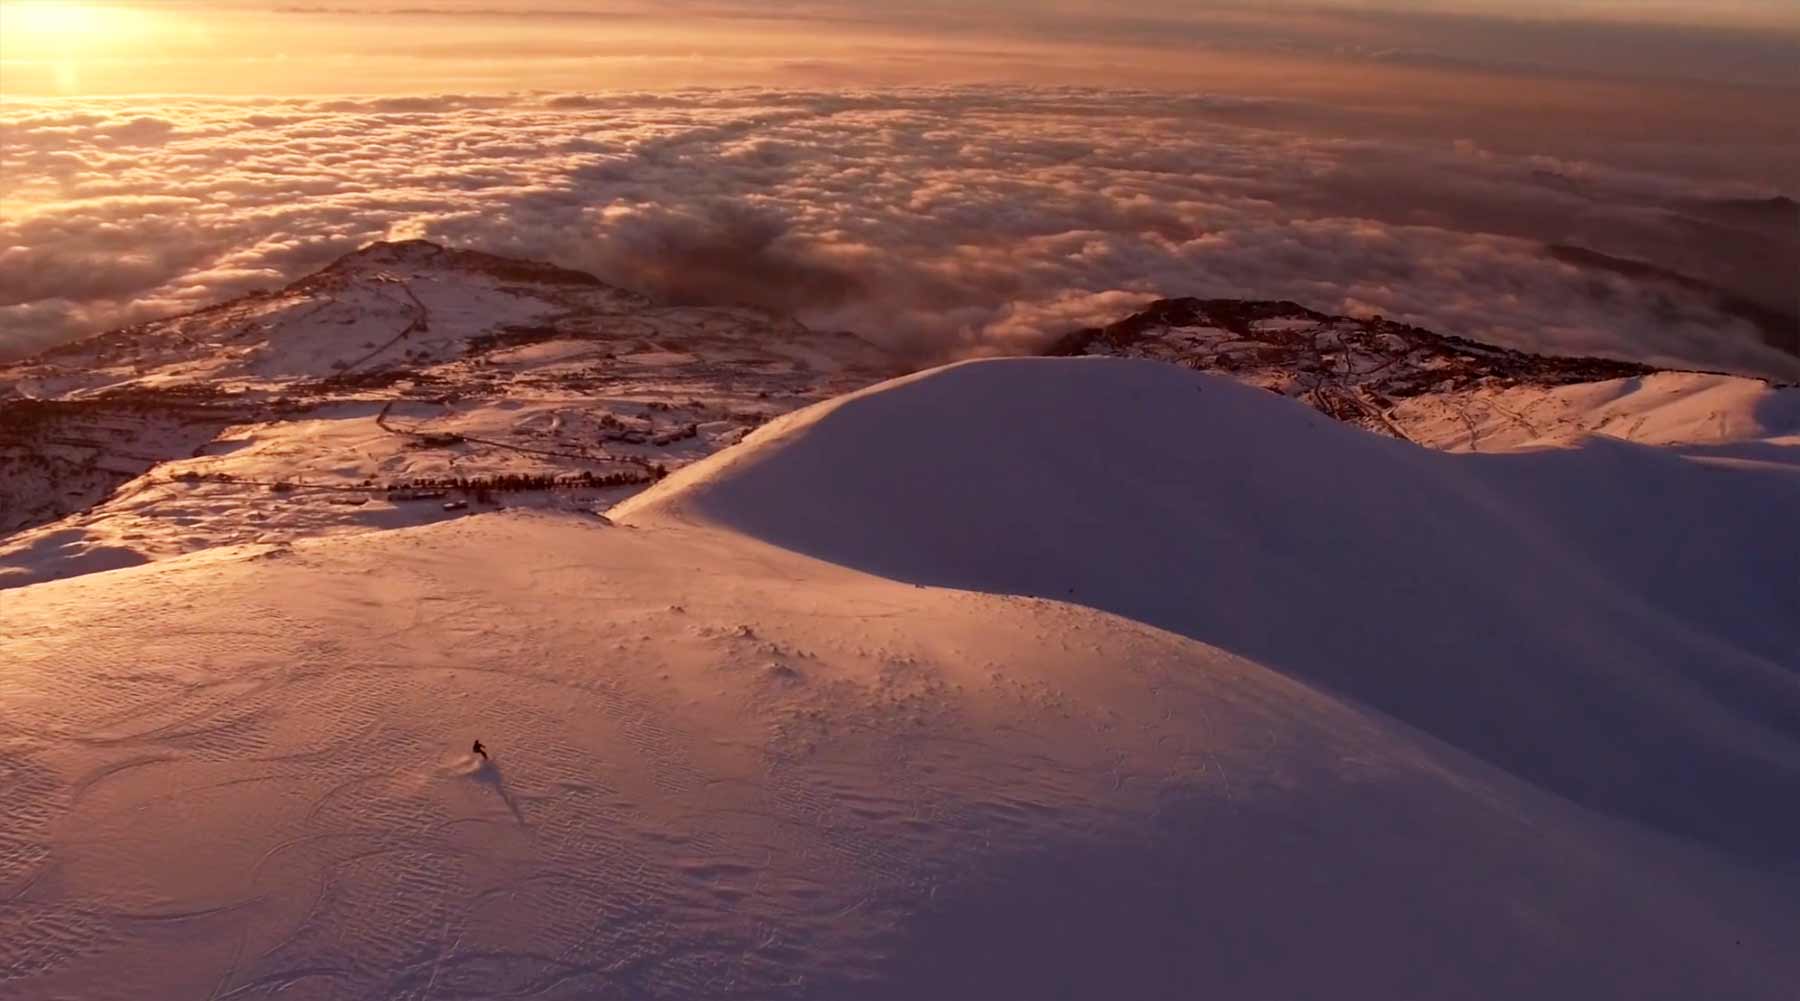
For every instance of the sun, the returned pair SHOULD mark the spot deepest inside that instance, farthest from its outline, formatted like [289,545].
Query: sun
[63,29]
[57,41]
[48,19]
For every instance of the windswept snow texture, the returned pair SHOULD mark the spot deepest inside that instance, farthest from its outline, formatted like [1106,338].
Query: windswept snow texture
[1391,723]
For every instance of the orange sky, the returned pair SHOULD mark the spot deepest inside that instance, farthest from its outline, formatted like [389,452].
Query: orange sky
[105,47]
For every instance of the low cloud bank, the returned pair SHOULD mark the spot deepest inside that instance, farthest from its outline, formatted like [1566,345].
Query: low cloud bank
[943,222]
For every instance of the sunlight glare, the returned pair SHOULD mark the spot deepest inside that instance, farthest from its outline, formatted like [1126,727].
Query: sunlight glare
[57,41]
[47,19]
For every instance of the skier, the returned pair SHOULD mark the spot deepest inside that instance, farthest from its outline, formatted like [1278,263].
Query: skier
[478,749]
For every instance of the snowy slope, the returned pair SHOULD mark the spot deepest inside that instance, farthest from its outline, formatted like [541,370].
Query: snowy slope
[1658,588]
[1695,413]
[1389,723]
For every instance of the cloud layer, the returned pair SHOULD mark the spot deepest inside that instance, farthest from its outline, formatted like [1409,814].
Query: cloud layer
[942,221]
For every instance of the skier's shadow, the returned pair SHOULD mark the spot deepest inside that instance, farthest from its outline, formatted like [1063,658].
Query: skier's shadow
[488,772]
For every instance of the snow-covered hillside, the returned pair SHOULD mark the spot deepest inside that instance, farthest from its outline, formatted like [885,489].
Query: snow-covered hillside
[1447,392]
[409,383]
[400,379]
[1417,582]
[1024,678]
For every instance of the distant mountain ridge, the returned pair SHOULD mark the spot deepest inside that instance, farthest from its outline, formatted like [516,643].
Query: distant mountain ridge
[557,378]
[1355,370]
[407,372]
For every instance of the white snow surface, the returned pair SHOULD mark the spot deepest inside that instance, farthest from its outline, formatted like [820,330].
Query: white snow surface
[1697,413]
[1023,678]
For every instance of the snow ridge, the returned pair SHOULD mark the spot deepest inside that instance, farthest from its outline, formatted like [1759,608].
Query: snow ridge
[1218,512]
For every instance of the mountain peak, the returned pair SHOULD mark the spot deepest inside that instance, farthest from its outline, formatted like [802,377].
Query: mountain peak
[420,253]
[397,249]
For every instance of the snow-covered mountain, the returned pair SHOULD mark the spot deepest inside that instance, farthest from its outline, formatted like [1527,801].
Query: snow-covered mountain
[403,374]
[1446,392]
[1016,678]
[407,377]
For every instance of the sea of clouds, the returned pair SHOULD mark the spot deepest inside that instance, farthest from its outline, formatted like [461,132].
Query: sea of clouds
[943,222]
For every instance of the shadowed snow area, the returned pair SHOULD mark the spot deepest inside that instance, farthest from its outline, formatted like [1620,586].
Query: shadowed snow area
[1390,723]
[1610,620]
